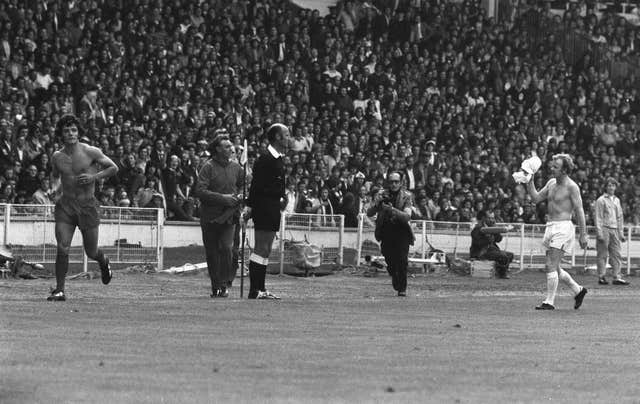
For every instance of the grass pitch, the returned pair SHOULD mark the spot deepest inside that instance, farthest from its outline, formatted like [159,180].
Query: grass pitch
[149,338]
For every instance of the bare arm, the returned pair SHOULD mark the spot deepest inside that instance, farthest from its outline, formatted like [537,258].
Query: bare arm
[536,196]
[576,200]
[109,168]
[56,183]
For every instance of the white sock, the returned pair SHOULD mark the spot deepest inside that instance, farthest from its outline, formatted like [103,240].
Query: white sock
[552,287]
[568,280]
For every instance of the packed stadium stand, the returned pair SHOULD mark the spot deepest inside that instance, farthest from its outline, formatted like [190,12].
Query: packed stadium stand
[441,91]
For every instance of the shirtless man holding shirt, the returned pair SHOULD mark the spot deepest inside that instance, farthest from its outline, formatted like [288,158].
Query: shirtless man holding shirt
[563,201]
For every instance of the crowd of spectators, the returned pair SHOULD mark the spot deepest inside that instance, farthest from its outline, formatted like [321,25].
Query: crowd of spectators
[439,91]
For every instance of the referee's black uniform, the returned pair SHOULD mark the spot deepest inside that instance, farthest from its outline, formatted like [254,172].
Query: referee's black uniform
[267,187]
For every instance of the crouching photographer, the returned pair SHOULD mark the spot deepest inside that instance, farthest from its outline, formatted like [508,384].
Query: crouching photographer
[393,209]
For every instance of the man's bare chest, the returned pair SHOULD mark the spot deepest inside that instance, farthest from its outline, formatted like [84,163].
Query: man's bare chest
[75,164]
[559,194]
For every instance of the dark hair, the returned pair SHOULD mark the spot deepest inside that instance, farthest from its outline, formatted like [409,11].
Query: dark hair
[216,142]
[611,180]
[482,214]
[273,131]
[68,120]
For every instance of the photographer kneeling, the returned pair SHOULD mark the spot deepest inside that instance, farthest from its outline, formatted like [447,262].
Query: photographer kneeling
[484,243]
[393,209]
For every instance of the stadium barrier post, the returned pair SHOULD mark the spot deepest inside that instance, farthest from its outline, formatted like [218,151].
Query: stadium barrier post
[283,221]
[423,223]
[455,247]
[359,238]
[522,247]
[159,240]
[118,238]
[340,241]
[7,222]
[44,232]
[629,250]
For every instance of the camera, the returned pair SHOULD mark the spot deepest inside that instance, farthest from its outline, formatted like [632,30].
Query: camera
[385,197]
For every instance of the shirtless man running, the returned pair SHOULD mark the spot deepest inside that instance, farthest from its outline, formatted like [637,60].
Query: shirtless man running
[563,199]
[75,168]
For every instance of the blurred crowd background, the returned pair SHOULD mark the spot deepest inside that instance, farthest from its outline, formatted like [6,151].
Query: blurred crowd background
[437,90]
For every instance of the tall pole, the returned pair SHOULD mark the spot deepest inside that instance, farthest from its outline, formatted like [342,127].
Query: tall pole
[244,157]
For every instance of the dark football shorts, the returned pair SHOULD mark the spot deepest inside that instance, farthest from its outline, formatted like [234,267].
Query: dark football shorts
[266,214]
[84,214]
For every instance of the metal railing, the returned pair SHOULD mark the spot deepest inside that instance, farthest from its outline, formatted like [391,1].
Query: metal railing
[524,240]
[127,235]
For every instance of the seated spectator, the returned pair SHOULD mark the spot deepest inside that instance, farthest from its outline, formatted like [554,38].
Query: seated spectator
[171,180]
[44,195]
[484,243]
[145,195]
[29,181]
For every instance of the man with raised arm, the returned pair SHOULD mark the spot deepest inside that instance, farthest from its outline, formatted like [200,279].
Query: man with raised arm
[563,201]
[75,169]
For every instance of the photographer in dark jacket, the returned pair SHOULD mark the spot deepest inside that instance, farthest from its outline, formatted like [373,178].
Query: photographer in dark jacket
[393,209]
[484,243]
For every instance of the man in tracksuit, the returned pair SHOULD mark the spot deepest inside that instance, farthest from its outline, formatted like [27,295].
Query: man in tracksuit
[219,182]
[265,203]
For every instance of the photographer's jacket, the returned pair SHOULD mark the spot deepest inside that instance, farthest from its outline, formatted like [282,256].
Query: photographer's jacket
[268,183]
[389,227]
[482,242]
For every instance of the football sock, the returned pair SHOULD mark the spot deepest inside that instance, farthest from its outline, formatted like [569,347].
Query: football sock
[100,258]
[568,280]
[552,287]
[253,272]
[62,264]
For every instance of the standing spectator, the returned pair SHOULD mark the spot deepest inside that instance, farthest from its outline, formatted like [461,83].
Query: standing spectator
[610,233]
[324,209]
[349,209]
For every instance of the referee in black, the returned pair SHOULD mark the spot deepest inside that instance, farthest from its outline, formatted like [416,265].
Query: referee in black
[265,204]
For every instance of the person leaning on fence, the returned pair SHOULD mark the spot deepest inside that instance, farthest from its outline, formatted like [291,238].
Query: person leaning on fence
[392,208]
[610,233]
[77,166]
[265,204]
[484,243]
[220,183]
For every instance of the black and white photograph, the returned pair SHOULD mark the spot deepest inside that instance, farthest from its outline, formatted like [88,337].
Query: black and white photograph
[319,201]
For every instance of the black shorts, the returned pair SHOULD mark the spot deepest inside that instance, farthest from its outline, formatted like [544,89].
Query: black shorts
[266,215]
[84,214]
